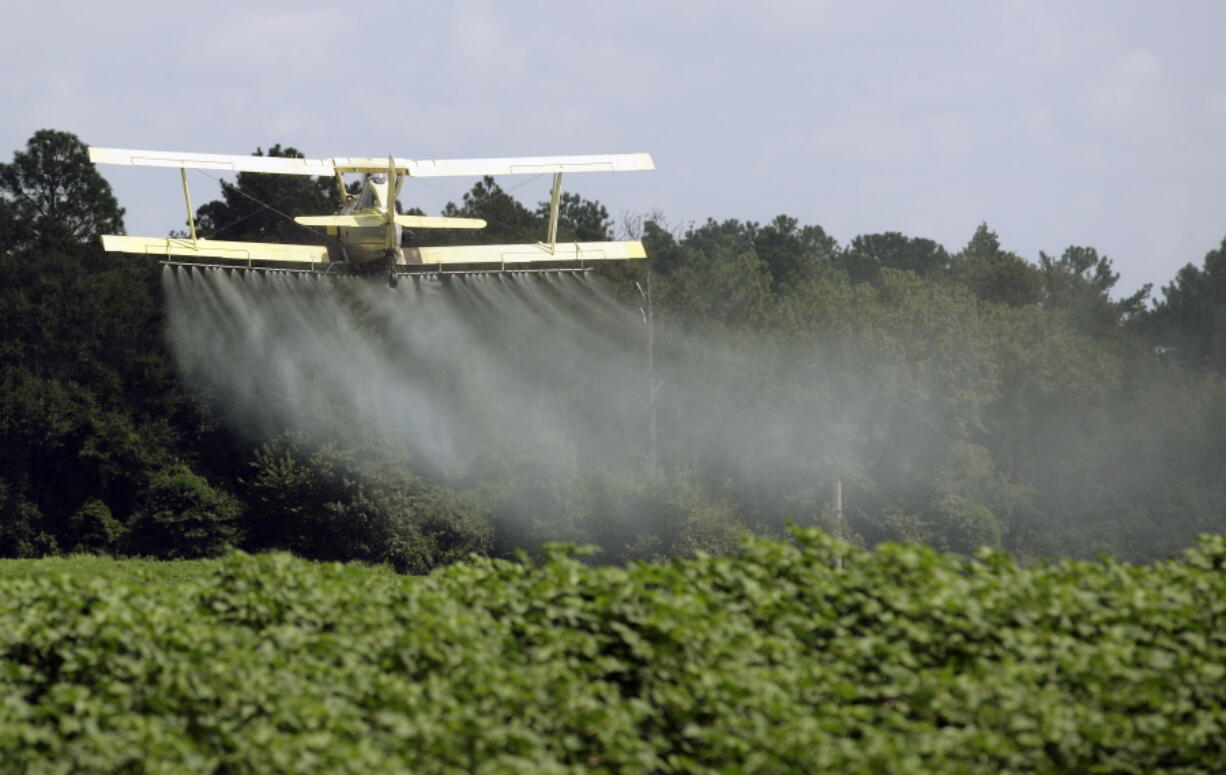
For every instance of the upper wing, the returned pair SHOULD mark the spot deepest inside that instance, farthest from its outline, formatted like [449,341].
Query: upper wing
[414,168]
[213,161]
[215,249]
[234,163]
[624,162]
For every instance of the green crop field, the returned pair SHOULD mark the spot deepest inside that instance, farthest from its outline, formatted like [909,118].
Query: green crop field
[775,660]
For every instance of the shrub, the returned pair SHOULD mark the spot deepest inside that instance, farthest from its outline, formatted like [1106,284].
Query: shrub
[184,517]
[964,526]
[95,528]
[20,531]
[322,504]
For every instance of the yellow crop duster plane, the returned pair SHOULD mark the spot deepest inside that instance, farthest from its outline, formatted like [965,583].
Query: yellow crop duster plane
[366,233]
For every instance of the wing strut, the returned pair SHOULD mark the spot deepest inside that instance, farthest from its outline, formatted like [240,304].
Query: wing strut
[187,198]
[393,191]
[340,188]
[554,199]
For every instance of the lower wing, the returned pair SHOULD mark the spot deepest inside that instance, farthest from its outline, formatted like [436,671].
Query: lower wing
[216,249]
[519,254]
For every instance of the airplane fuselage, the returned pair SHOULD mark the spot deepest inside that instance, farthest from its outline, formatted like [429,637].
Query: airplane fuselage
[367,246]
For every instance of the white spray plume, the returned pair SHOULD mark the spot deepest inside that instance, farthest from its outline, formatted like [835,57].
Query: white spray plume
[504,373]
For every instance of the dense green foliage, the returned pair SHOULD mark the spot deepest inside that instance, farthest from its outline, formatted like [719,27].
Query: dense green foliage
[899,660]
[958,398]
[1190,320]
[88,567]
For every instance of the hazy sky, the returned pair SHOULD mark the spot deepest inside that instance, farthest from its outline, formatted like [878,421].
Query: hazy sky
[1058,123]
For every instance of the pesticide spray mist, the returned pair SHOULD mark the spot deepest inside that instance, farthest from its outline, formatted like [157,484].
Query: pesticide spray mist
[538,377]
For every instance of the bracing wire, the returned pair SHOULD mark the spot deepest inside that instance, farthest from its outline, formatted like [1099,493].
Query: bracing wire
[261,203]
[476,204]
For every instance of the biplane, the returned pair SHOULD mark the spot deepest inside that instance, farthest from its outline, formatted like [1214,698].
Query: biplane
[365,235]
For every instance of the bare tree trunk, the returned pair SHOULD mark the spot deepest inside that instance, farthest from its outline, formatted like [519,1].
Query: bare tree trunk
[653,385]
[838,517]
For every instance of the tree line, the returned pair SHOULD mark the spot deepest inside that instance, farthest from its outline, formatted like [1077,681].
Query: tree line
[1005,401]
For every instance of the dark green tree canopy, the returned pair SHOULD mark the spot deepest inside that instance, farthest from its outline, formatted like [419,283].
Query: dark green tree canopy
[792,253]
[979,398]
[868,254]
[579,219]
[508,220]
[713,273]
[53,197]
[995,274]
[1190,319]
[1080,283]
[14,230]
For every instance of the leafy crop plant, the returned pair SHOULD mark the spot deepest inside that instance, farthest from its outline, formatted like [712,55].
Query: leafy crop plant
[775,660]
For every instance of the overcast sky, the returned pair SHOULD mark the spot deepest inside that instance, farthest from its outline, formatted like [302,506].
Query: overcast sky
[1058,123]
